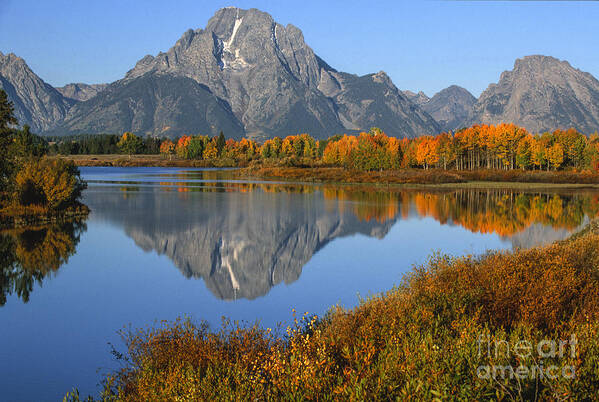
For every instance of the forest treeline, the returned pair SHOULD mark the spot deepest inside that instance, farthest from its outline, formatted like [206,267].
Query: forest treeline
[502,146]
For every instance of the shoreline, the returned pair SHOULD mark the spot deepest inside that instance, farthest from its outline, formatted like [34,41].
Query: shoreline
[419,178]
[452,301]
[30,218]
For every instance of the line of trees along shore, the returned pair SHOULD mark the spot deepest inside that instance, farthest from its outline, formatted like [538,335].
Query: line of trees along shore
[502,146]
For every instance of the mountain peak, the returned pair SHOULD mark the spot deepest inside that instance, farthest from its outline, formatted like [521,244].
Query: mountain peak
[419,98]
[538,62]
[79,91]
[450,107]
[382,77]
[541,93]
[534,59]
[275,84]
[12,58]
[36,103]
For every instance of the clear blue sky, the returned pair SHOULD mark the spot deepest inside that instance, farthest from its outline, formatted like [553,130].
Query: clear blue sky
[422,45]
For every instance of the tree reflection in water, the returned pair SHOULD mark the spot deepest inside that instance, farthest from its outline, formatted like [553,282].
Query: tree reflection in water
[29,255]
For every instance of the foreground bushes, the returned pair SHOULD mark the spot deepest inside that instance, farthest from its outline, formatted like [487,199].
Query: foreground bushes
[425,339]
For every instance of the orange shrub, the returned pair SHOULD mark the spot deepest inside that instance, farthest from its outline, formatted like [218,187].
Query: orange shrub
[417,341]
[52,182]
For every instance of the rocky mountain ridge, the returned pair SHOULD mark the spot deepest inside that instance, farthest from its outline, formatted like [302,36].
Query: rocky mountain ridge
[36,103]
[244,74]
[80,91]
[541,93]
[247,75]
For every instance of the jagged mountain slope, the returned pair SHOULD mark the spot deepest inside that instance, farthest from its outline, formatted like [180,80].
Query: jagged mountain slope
[80,91]
[419,98]
[271,80]
[36,103]
[541,93]
[372,100]
[153,104]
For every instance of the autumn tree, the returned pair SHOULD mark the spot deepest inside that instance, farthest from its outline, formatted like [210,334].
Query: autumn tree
[555,155]
[271,148]
[243,149]
[266,150]
[445,150]
[182,148]
[538,154]
[130,144]
[591,152]
[339,152]
[197,146]
[167,148]
[53,183]
[211,151]
[573,145]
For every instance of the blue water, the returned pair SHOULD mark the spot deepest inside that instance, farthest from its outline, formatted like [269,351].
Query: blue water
[155,251]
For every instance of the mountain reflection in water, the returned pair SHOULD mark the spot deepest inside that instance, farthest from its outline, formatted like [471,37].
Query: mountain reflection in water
[242,238]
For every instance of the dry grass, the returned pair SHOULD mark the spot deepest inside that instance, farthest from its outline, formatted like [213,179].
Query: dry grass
[342,175]
[484,178]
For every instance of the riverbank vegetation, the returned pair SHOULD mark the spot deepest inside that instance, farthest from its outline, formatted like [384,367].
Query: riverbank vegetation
[504,153]
[422,176]
[498,147]
[33,189]
[517,325]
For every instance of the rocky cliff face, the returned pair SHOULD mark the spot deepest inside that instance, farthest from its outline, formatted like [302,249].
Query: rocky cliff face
[419,98]
[269,78]
[373,101]
[450,107]
[541,93]
[36,103]
[153,104]
[80,91]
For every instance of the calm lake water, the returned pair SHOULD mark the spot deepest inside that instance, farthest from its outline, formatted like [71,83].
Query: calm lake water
[167,243]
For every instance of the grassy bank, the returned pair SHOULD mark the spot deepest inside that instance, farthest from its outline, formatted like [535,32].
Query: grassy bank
[483,178]
[427,338]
